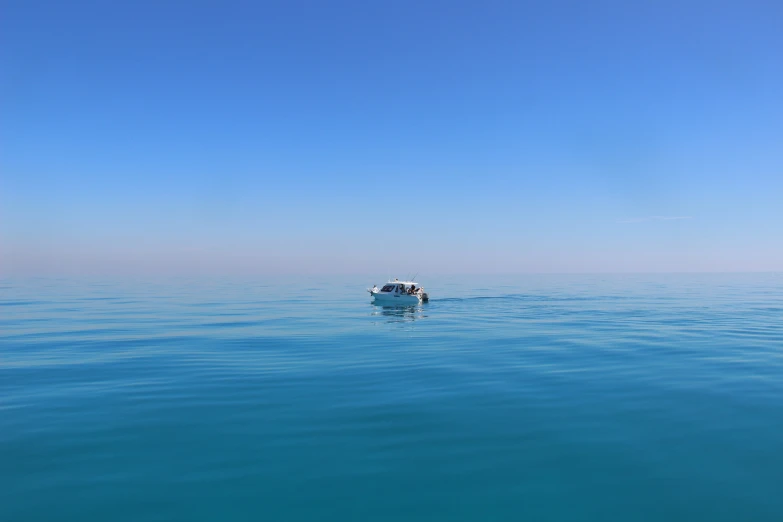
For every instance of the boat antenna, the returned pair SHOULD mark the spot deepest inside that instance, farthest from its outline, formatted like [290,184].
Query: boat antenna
[414,277]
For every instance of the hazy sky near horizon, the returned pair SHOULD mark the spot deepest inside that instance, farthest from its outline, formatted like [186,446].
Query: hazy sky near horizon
[394,137]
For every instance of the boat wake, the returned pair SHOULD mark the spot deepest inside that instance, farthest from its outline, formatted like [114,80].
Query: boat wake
[484,298]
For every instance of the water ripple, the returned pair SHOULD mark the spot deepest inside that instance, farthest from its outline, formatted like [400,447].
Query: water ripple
[507,399]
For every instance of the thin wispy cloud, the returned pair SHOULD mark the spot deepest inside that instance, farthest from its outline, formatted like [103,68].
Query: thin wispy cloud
[654,218]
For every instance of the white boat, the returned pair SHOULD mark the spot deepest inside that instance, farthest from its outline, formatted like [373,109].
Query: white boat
[399,293]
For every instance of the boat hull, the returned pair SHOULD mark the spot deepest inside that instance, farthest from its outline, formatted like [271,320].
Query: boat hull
[392,298]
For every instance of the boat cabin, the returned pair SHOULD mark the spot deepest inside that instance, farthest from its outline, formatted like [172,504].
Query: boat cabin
[399,287]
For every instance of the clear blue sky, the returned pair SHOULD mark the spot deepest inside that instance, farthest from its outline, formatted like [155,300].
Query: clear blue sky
[439,137]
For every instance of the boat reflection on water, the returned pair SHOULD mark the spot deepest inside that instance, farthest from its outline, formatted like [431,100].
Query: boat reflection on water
[398,314]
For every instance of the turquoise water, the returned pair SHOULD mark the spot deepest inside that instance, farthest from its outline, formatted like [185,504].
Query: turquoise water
[609,398]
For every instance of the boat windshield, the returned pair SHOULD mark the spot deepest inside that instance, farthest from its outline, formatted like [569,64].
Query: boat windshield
[387,288]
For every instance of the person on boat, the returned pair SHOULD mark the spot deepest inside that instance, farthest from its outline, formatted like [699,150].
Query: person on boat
[374,289]
[412,290]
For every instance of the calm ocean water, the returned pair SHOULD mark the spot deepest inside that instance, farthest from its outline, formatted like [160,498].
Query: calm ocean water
[607,398]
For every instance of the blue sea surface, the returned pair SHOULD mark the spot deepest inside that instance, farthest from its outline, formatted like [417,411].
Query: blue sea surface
[542,398]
